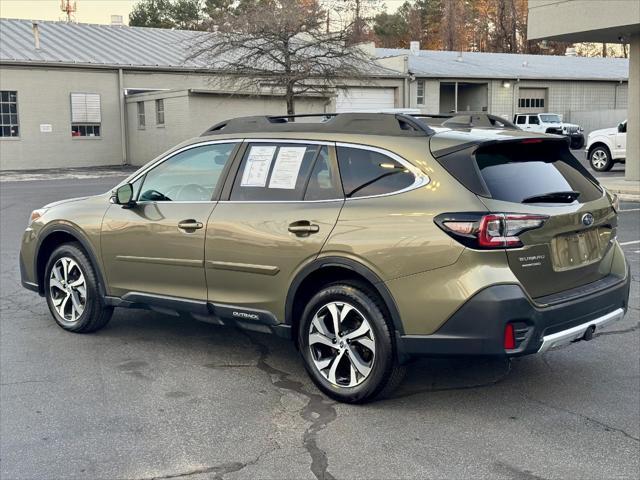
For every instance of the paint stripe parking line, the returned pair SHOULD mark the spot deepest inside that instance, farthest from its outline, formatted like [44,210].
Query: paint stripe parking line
[632,242]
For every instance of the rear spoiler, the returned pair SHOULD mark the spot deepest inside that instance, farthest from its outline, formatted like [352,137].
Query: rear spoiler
[441,152]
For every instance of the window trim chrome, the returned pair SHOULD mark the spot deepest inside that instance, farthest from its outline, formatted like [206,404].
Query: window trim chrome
[421,178]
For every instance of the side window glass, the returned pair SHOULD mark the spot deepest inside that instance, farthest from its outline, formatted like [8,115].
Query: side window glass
[365,173]
[323,184]
[190,176]
[274,172]
[533,120]
[521,120]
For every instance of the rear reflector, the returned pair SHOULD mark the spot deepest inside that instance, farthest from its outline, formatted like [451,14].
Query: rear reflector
[509,337]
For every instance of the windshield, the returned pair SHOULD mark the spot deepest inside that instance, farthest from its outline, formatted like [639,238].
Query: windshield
[550,118]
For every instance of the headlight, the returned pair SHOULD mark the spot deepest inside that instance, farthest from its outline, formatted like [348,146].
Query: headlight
[36,214]
[580,129]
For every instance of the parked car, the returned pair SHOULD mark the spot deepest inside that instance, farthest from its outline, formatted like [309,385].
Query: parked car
[368,239]
[607,146]
[465,120]
[550,123]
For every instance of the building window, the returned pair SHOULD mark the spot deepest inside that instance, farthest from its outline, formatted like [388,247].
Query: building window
[86,116]
[531,103]
[141,119]
[9,114]
[420,92]
[160,112]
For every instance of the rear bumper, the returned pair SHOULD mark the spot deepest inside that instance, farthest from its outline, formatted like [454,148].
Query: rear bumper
[477,328]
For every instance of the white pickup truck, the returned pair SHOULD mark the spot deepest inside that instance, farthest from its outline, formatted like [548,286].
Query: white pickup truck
[607,146]
[550,123]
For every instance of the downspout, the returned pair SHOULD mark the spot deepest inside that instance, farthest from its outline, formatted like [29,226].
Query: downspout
[123,117]
[514,102]
[455,99]
[406,94]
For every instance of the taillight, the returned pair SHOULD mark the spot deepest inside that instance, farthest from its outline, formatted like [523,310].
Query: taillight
[495,230]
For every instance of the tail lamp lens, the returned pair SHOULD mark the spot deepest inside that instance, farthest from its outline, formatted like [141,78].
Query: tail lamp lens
[496,230]
[509,337]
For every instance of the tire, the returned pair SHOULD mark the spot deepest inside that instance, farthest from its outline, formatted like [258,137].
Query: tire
[358,365]
[68,274]
[600,159]
[577,142]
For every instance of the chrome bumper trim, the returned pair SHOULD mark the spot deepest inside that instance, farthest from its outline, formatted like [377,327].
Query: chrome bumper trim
[577,332]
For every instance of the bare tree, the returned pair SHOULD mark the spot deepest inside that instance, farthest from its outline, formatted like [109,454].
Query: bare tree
[283,45]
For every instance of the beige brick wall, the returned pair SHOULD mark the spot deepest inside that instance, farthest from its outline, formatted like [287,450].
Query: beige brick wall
[44,98]
[187,116]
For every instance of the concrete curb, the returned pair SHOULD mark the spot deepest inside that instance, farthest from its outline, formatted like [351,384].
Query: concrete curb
[66,173]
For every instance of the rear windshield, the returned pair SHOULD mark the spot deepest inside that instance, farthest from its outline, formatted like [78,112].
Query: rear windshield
[516,172]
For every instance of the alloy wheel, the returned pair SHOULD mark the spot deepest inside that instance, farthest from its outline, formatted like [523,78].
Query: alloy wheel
[68,289]
[342,344]
[599,159]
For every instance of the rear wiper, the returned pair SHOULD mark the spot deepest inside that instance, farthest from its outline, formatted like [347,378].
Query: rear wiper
[553,197]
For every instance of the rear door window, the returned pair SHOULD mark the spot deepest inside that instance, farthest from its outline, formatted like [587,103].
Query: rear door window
[519,171]
[521,119]
[275,171]
[366,172]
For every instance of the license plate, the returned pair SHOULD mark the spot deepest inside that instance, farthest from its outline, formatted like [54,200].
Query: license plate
[578,249]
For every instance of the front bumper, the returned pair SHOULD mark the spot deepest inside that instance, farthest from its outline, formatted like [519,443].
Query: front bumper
[477,328]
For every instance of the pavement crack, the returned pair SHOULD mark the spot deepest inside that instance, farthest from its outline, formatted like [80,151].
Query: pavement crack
[318,411]
[619,332]
[587,418]
[492,383]
[23,382]
[217,471]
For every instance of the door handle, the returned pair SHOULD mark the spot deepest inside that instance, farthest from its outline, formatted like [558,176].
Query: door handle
[189,225]
[303,228]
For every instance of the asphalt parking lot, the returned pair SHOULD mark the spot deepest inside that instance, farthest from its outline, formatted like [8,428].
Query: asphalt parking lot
[153,396]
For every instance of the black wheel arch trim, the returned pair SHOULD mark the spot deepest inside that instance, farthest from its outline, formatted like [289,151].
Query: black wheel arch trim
[82,239]
[349,264]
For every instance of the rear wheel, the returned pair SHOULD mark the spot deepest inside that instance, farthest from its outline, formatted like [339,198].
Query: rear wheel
[600,159]
[71,289]
[347,344]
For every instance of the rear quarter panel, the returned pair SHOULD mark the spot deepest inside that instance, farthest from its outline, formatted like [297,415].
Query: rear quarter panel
[395,235]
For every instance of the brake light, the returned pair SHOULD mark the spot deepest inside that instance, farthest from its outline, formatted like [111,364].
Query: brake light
[496,230]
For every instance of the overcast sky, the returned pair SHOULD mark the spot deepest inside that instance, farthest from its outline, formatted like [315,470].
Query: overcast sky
[89,11]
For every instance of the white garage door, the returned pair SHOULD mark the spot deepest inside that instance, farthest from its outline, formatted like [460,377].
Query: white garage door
[532,100]
[365,99]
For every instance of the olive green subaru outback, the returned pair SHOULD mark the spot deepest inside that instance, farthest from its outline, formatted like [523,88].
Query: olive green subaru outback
[369,239]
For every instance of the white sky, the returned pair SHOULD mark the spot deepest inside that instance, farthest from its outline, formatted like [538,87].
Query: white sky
[89,11]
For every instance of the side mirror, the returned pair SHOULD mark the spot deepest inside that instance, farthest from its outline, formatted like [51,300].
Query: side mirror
[124,195]
[621,128]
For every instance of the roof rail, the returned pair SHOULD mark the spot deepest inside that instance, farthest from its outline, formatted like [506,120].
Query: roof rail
[360,123]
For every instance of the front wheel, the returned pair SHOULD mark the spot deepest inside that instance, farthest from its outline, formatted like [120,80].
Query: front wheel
[347,345]
[600,159]
[71,289]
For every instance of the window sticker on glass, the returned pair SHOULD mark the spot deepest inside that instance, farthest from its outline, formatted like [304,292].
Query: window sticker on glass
[256,168]
[285,171]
